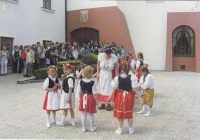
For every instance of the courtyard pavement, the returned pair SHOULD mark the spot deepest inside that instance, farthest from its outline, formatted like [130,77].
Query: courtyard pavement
[176,112]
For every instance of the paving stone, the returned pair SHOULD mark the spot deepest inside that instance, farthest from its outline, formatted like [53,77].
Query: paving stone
[176,112]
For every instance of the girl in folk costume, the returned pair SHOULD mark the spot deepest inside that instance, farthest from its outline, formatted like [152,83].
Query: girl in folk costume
[88,98]
[67,98]
[106,63]
[124,87]
[147,84]
[52,98]
[132,63]
[140,61]
[79,72]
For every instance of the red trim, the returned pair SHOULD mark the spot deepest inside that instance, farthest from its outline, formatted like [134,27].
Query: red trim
[45,103]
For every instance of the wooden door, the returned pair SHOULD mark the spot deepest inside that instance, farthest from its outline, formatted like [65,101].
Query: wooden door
[8,42]
[83,35]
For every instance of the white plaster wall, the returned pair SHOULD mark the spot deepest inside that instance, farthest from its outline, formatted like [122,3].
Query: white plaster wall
[83,4]
[147,22]
[28,23]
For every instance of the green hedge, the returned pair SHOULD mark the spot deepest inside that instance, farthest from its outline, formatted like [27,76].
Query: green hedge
[88,59]
[73,62]
[42,73]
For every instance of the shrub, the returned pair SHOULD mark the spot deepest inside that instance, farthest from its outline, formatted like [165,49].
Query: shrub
[73,62]
[89,59]
[42,73]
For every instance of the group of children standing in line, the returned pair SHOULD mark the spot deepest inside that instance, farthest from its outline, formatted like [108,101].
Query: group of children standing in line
[124,86]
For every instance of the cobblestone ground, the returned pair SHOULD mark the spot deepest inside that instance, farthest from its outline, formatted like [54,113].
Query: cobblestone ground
[176,112]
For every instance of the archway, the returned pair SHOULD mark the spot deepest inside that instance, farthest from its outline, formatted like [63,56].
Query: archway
[183,48]
[83,35]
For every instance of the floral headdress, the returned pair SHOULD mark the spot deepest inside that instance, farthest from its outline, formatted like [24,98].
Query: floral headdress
[52,66]
[69,66]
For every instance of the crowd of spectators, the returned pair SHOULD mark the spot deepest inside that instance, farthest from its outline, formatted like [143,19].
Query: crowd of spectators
[28,58]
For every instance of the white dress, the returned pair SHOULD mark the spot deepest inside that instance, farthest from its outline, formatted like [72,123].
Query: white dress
[63,102]
[105,77]
[53,97]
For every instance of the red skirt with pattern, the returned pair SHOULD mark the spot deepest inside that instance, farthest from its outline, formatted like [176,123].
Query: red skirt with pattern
[87,103]
[124,101]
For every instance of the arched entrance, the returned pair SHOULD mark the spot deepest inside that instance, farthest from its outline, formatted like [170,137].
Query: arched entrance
[83,35]
[183,48]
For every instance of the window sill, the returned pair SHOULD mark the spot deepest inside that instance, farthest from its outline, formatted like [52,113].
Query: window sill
[183,56]
[48,10]
[11,1]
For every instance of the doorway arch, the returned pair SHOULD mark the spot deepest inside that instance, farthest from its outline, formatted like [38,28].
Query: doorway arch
[84,35]
[183,48]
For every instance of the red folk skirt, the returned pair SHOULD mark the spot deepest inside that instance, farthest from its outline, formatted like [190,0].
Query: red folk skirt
[87,103]
[124,101]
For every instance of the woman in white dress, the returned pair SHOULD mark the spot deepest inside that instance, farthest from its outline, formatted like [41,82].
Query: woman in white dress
[107,62]
[75,50]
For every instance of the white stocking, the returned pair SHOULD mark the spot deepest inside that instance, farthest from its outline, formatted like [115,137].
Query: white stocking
[83,120]
[91,119]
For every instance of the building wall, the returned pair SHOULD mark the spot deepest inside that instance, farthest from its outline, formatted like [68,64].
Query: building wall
[191,19]
[147,23]
[27,23]
[112,28]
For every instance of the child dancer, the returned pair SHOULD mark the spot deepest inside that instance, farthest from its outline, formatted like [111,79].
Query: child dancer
[140,61]
[125,84]
[79,72]
[67,98]
[52,98]
[147,84]
[88,98]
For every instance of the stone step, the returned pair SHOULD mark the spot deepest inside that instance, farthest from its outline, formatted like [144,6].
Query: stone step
[26,80]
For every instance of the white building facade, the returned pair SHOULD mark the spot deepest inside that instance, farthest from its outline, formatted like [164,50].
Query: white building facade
[147,23]
[26,22]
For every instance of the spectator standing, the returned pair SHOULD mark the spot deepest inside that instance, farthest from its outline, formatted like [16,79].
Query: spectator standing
[15,56]
[123,52]
[4,61]
[36,62]
[56,53]
[63,53]
[20,61]
[41,56]
[30,60]
[75,50]
[88,48]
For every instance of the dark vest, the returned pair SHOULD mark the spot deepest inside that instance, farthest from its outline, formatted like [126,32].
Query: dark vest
[16,55]
[86,87]
[125,83]
[65,84]
[51,82]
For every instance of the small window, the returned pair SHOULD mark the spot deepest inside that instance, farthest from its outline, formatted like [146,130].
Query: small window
[47,4]
[183,41]
[182,67]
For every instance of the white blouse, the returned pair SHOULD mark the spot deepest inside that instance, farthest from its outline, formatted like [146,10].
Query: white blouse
[148,83]
[138,63]
[107,65]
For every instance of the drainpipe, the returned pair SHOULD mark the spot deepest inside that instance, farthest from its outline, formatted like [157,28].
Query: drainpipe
[65,21]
